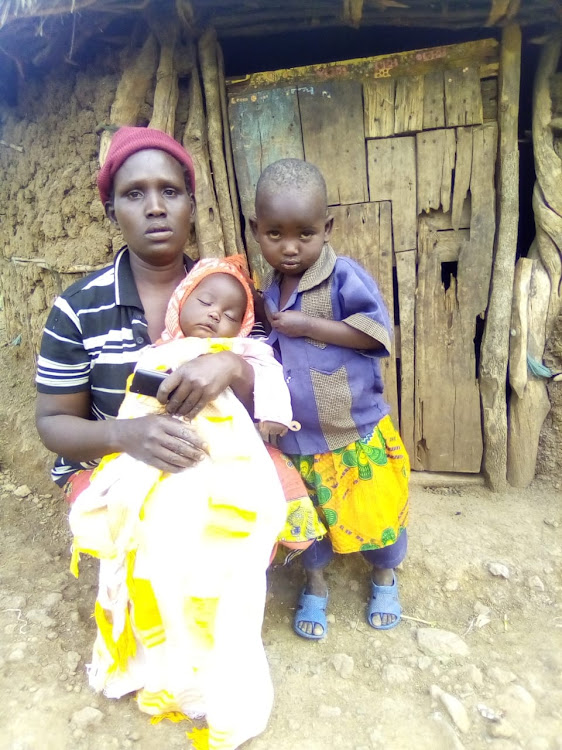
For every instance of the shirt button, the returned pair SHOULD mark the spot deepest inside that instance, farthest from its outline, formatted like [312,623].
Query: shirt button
[140,340]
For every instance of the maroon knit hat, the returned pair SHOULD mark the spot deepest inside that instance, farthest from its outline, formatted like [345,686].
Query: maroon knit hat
[127,141]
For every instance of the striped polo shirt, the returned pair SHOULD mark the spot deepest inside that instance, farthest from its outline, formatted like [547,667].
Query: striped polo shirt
[91,342]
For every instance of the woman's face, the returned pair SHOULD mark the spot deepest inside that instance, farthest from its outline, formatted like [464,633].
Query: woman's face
[215,308]
[152,206]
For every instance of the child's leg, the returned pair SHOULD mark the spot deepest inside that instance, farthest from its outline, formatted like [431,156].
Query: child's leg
[314,559]
[383,611]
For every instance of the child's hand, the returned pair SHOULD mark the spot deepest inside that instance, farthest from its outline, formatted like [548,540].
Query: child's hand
[292,323]
[270,430]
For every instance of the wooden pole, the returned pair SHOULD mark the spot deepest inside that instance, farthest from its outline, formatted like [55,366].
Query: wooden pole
[131,91]
[166,92]
[495,343]
[209,73]
[233,190]
[208,228]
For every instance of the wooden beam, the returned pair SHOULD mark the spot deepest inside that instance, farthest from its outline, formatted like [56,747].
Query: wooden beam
[210,76]
[495,343]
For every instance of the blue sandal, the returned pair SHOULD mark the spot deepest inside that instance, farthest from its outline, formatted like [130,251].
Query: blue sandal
[384,601]
[312,609]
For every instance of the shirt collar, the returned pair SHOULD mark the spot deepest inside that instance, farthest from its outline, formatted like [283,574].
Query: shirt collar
[318,272]
[126,292]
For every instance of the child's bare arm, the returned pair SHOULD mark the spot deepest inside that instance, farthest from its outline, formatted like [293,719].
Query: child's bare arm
[295,324]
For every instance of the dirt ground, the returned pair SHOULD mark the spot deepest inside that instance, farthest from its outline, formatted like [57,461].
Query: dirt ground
[494,681]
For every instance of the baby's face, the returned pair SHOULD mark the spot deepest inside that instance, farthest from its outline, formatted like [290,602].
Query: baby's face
[215,308]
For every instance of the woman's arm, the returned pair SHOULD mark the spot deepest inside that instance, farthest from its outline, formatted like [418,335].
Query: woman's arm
[159,440]
[194,384]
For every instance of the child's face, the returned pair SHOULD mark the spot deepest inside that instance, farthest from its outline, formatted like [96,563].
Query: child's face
[291,228]
[215,308]
[152,206]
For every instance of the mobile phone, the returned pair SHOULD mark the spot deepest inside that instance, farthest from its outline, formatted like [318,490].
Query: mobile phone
[147,382]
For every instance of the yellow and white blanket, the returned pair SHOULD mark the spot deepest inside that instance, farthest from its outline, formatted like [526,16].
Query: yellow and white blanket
[182,575]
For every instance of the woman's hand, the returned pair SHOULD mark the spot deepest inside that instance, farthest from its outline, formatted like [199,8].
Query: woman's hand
[269,431]
[198,382]
[167,443]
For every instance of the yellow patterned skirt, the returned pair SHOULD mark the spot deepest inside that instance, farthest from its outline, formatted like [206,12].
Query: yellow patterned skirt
[361,490]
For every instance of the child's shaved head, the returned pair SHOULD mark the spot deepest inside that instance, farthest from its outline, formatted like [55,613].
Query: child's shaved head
[291,174]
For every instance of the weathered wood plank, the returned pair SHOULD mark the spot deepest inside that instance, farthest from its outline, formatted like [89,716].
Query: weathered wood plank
[406,273]
[408,105]
[495,342]
[463,97]
[449,244]
[463,169]
[449,155]
[392,176]
[489,92]
[435,152]
[264,127]
[433,101]
[363,232]
[378,102]
[334,137]
[415,62]
[439,221]
[448,434]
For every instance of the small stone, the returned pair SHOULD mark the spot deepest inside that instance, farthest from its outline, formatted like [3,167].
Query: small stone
[354,585]
[135,736]
[40,617]
[474,674]
[501,728]
[454,707]
[330,618]
[498,569]
[536,583]
[328,712]
[73,660]
[51,600]
[22,491]
[501,676]
[86,717]
[481,609]
[52,636]
[75,616]
[424,662]
[16,655]
[343,664]
[451,585]
[437,642]
[396,674]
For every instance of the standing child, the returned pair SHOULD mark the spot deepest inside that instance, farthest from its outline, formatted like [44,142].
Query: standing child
[330,327]
[183,556]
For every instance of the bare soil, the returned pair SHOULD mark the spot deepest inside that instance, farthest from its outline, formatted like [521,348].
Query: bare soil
[357,689]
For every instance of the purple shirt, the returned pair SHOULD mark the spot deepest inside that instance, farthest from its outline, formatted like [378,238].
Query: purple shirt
[336,393]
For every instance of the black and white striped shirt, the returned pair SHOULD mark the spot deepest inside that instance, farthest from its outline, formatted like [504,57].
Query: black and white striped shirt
[91,342]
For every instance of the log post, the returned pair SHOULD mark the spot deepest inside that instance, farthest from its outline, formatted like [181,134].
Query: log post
[528,406]
[208,228]
[547,195]
[131,91]
[495,342]
[166,92]
[209,73]
[233,190]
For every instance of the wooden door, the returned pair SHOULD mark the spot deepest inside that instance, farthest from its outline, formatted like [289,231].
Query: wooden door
[407,146]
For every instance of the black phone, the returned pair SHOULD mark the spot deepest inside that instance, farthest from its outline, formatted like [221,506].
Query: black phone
[147,382]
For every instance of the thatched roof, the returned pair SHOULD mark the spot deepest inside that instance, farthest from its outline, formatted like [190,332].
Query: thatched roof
[44,32]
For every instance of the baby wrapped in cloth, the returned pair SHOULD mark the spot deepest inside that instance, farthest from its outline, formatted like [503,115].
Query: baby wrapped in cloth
[183,556]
